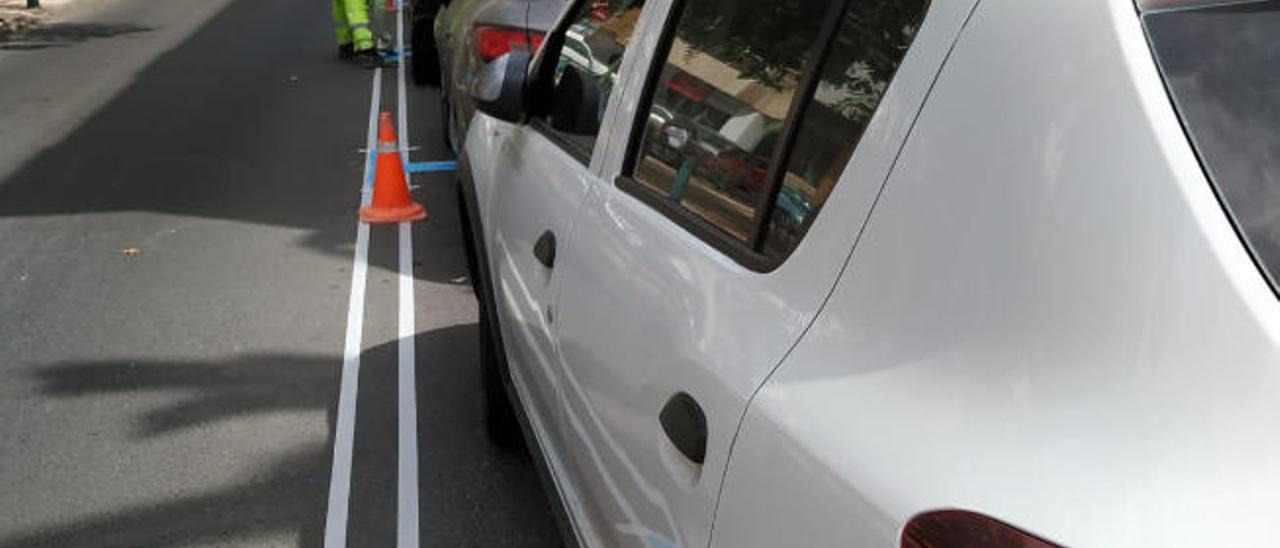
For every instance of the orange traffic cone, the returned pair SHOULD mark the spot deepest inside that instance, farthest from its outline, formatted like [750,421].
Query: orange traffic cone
[391,202]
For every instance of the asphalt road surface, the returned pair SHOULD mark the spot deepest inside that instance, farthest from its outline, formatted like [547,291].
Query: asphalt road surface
[178,192]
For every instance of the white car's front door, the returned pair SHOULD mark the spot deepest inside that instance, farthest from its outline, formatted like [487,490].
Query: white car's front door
[532,180]
[537,187]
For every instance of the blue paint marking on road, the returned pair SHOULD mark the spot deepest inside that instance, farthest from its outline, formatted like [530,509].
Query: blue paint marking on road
[424,167]
[369,172]
[392,55]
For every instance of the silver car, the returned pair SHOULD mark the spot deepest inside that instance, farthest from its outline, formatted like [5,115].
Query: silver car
[452,40]
[888,272]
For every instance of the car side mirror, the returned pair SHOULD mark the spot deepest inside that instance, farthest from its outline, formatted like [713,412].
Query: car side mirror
[575,106]
[498,89]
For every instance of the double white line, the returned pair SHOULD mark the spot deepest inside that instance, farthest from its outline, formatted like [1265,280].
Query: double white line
[335,533]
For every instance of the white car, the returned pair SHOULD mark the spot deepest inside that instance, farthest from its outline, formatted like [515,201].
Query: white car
[999,273]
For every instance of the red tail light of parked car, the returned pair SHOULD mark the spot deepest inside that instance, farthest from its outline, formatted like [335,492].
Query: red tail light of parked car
[493,42]
[963,529]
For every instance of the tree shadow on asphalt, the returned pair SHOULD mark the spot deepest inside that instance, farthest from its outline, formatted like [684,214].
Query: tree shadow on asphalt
[56,35]
[471,493]
[220,391]
[238,123]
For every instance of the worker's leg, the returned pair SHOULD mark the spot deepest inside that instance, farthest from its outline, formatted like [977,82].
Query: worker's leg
[346,50]
[340,25]
[357,13]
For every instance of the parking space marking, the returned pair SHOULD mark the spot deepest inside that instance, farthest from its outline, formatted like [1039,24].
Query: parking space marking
[407,414]
[407,469]
[335,526]
[407,489]
[426,167]
[402,110]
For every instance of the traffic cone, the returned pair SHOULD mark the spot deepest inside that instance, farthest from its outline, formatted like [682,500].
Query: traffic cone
[391,202]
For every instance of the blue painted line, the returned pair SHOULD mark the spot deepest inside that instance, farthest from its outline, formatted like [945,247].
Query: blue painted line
[424,167]
[392,55]
[369,166]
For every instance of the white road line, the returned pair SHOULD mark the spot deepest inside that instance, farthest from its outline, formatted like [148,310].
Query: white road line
[402,109]
[407,490]
[371,145]
[335,526]
[407,482]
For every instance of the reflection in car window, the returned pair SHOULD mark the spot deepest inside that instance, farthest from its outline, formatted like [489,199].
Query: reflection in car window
[720,102]
[726,141]
[593,48]
[869,45]
[1222,68]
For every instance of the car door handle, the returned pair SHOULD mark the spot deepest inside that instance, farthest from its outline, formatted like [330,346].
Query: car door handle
[686,426]
[545,249]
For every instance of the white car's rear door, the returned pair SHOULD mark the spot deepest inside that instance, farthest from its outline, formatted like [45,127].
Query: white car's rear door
[691,277]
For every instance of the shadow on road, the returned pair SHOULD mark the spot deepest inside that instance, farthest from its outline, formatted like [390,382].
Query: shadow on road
[63,34]
[281,498]
[245,123]
[237,123]
[471,494]
[219,391]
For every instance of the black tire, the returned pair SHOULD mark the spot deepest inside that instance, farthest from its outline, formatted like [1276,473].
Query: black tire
[425,61]
[446,122]
[468,245]
[500,421]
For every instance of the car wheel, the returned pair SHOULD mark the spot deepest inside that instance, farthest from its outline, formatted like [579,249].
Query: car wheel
[500,421]
[446,122]
[424,61]
[469,244]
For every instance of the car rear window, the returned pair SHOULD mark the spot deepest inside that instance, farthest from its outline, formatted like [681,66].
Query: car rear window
[731,75]
[1221,65]
[757,109]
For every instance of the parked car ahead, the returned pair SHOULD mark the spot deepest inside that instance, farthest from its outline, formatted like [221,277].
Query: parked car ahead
[452,40]
[993,288]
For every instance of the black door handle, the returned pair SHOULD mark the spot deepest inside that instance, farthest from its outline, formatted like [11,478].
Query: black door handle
[545,249]
[686,425]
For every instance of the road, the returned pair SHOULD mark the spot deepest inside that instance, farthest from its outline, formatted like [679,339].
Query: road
[178,192]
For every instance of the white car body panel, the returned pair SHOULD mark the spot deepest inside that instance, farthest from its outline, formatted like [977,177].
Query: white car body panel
[528,187]
[706,310]
[1048,320]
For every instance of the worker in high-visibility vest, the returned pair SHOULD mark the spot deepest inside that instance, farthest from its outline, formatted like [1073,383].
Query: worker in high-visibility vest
[355,37]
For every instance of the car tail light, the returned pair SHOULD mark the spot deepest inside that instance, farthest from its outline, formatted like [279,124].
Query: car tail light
[962,529]
[493,42]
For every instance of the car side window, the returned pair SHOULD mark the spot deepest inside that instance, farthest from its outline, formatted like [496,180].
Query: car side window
[756,111]
[732,71]
[586,70]
[868,46]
